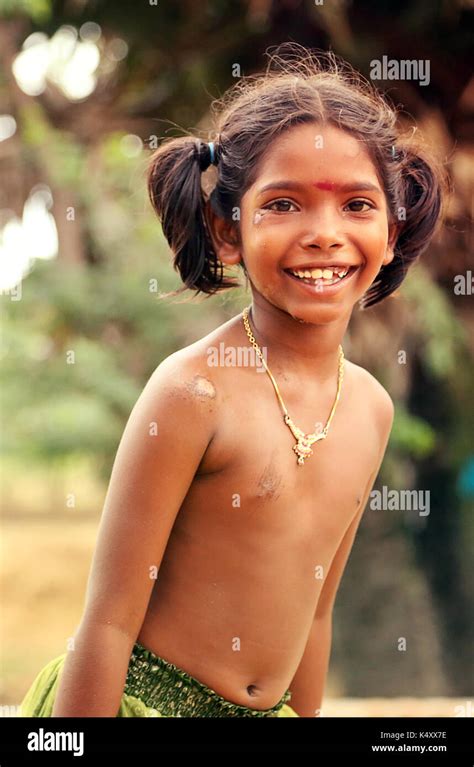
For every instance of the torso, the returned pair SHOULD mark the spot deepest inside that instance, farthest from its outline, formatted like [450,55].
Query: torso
[239,583]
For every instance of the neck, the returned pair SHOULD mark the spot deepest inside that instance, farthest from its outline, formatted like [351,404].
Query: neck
[298,349]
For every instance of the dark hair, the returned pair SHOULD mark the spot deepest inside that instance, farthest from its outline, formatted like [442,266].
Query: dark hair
[299,86]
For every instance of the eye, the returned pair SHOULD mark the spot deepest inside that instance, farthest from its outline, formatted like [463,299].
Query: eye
[362,202]
[278,202]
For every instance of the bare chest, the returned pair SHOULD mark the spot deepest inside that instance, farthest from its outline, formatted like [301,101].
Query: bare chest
[251,475]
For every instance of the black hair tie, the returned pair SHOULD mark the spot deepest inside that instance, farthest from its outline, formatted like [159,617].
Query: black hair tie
[208,154]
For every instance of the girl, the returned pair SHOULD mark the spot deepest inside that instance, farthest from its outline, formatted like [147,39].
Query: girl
[235,497]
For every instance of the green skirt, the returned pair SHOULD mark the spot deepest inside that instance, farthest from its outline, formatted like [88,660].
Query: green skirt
[153,687]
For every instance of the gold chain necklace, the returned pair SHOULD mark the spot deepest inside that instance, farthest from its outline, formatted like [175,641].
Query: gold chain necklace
[304,441]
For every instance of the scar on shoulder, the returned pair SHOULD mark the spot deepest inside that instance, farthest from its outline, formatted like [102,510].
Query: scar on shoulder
[201,387]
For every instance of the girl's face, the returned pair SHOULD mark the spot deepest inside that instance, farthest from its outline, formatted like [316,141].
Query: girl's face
[325,208]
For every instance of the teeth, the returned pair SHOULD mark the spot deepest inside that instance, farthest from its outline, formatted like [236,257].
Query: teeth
[325,274]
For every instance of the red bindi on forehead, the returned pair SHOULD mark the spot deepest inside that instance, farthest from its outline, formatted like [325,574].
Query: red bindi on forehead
[325,185]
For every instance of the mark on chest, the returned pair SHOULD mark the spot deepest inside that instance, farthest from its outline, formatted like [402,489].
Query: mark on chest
[269,483]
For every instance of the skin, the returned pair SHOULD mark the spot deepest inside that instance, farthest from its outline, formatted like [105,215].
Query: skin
[250,546]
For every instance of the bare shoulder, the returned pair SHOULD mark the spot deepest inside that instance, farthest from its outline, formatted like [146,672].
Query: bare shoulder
[372,391]
[190,370]
[178,403]
[186,370]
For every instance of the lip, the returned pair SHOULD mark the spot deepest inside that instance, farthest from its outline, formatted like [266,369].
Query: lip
[324,290]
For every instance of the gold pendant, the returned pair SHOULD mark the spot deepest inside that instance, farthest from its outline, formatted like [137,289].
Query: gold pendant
[304,441]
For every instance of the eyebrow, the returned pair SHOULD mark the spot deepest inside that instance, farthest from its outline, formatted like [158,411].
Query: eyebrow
[352,186]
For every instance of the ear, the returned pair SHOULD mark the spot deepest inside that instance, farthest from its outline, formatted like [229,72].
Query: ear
[224,235]
[392,239]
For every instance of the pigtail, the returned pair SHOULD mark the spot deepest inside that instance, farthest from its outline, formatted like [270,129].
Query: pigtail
[417,201]
[174,188]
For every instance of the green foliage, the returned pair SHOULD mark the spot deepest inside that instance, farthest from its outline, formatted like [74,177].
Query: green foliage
[444,338]
[57,151]
[411,435]
[37,10]
[62,393]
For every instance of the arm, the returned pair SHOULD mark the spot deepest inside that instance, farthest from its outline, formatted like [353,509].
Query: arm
[152,472]
[308,683]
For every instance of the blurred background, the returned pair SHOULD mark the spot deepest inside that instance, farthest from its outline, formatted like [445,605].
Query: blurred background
[87,88]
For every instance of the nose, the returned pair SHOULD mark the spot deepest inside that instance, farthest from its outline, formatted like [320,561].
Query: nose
[322,233]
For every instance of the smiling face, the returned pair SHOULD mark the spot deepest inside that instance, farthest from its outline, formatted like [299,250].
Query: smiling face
[316,203]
